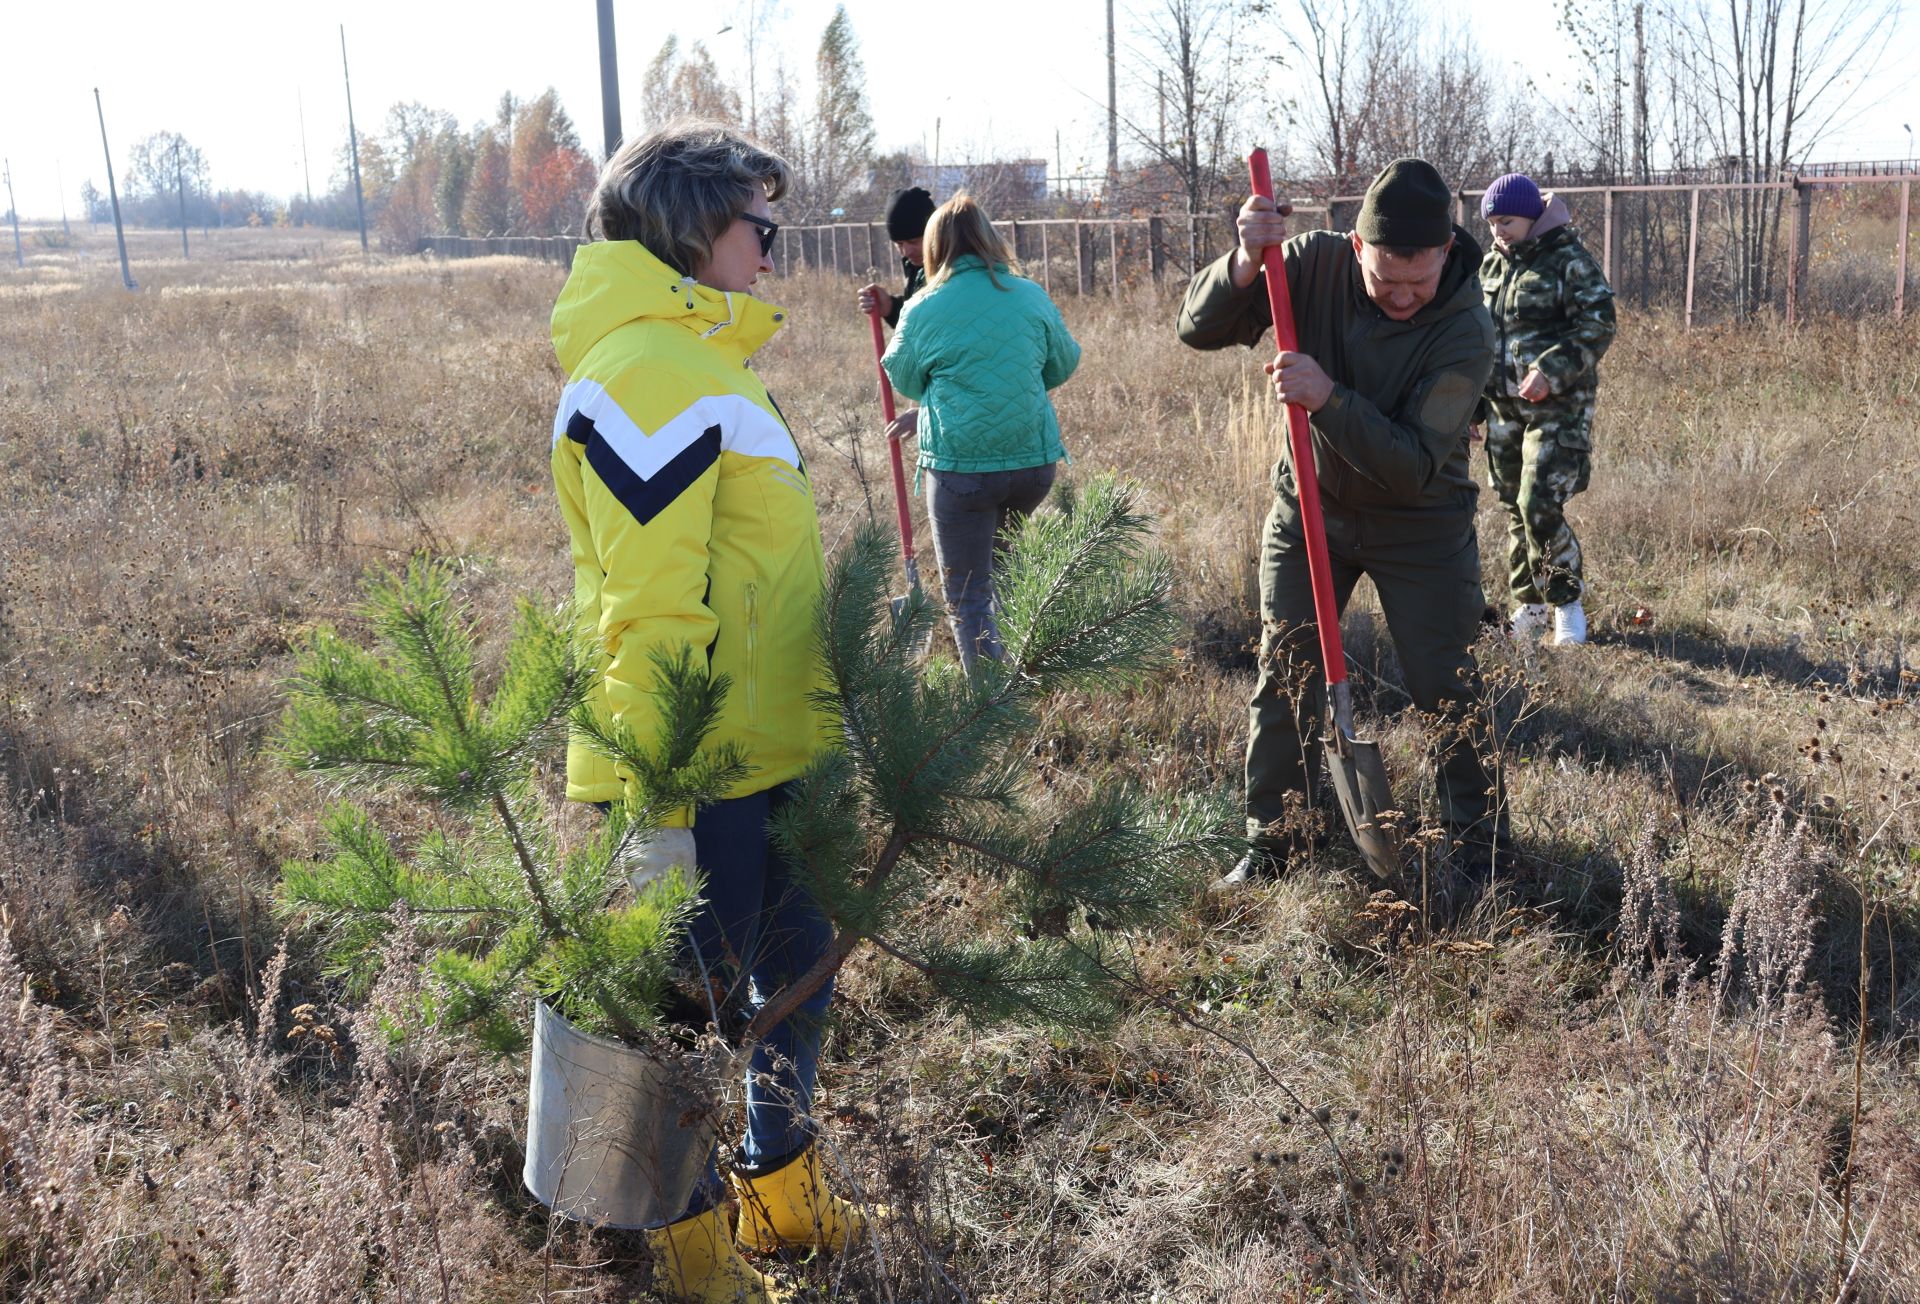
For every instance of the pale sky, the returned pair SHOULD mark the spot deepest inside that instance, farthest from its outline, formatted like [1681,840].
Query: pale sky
[232,77]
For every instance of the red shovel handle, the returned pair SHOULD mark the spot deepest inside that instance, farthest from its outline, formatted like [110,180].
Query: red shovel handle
[893,447]
[1300,446]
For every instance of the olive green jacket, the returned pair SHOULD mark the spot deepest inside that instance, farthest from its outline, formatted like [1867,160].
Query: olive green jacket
[1392,439]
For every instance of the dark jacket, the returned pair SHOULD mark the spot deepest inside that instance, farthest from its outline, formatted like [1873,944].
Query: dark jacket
[916,281]
[1392,438]
[1552,309]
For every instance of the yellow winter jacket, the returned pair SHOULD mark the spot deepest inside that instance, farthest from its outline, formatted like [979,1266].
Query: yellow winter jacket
[690,509]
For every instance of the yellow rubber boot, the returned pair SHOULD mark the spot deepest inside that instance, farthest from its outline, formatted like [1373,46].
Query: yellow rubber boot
[790,1208]
[696,1262]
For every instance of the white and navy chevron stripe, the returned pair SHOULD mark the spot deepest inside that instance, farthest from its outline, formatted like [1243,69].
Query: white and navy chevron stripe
[646,472]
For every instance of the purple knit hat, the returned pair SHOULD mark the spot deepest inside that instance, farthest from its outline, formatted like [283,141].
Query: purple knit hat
[1513,195]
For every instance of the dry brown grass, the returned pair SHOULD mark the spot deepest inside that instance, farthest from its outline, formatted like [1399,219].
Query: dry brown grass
[1526,1107]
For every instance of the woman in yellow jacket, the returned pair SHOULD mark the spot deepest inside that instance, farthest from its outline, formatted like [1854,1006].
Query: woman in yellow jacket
[692,523]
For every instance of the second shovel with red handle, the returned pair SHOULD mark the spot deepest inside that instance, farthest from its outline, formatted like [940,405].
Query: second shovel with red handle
[1359,776]
[903,508]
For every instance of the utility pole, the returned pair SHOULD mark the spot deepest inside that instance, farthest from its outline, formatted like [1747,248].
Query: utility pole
[1113,114]
[1640,143]
[300,102]
[1160,93]
[13,209]
[754,19]
[119,232]
[609,78]
[60,179]
[180,184]
[353,140]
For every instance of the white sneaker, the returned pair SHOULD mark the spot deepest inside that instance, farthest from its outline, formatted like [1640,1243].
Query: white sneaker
[1528,622]
[1570,623]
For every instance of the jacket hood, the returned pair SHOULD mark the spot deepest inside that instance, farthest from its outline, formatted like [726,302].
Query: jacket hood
[1553,217]
[614,282]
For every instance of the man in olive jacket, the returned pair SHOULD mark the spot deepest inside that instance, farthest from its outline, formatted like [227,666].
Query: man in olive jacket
[1395,347]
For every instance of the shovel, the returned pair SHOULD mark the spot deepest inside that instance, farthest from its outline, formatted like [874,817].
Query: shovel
[1359,776]
[903,506]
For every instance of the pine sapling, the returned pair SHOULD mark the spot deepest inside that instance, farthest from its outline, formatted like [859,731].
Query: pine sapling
[934,772]
[501,913]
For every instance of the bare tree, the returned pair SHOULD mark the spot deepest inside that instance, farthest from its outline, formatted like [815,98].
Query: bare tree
[1324,45]
[1368,81]
[754,19]
[831,149]
[1762,81]
[1193,49]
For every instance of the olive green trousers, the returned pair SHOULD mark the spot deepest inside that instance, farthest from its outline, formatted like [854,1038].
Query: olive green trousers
[1426,569]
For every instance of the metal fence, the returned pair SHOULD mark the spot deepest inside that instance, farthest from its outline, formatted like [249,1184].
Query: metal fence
[1675,246]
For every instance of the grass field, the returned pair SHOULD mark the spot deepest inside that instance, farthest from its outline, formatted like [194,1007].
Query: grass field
[1639,1070]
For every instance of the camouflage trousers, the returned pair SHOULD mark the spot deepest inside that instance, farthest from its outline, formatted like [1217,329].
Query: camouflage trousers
[1538,456]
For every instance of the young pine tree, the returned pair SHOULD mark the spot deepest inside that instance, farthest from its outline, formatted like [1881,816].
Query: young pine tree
[503,914]
[932,774]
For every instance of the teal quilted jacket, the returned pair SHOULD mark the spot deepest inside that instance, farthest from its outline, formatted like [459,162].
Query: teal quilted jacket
[980,359]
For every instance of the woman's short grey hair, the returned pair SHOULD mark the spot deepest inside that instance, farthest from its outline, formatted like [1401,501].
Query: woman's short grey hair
[677,190]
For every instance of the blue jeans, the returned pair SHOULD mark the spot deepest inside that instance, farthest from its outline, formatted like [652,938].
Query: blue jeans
[971,514]
[758,930]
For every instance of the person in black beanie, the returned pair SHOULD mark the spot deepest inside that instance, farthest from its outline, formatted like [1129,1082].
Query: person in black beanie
[1395,346]
[907,214]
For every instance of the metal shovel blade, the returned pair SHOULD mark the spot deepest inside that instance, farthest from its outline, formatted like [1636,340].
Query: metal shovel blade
[1360,782]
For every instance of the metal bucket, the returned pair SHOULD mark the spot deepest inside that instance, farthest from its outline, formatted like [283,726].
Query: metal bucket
[616,1136]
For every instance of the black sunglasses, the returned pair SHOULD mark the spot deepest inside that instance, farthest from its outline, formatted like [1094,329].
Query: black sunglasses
[767,230]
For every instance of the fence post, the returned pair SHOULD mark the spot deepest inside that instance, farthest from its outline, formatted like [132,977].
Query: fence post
[1046,261]
[1693,247]
[1083,250]
[1013,240]
[1460,207]
[1113,256]
[786,253]
[1157,248]
[1606,244]
[1802,243]
[1900,263]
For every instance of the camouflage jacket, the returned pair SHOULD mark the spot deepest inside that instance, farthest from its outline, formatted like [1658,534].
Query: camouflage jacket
[1552,308]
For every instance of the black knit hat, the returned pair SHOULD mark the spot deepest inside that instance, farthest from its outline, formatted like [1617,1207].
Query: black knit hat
[1408,206]
[907,213]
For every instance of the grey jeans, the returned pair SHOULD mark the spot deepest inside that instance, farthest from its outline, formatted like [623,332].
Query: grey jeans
[971,513]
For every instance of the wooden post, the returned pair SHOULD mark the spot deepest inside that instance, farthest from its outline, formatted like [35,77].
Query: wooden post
[1113,256]
[1802,244]
[1693,247]
[1606,242]
[1083,245]
[1157,248]
[786,253]
[1900,262]
[1046,262]
[1460,207]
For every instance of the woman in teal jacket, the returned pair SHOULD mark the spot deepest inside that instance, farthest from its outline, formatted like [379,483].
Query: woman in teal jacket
[979,348]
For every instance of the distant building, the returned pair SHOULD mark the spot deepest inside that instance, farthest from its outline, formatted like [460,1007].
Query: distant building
[1001,183]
